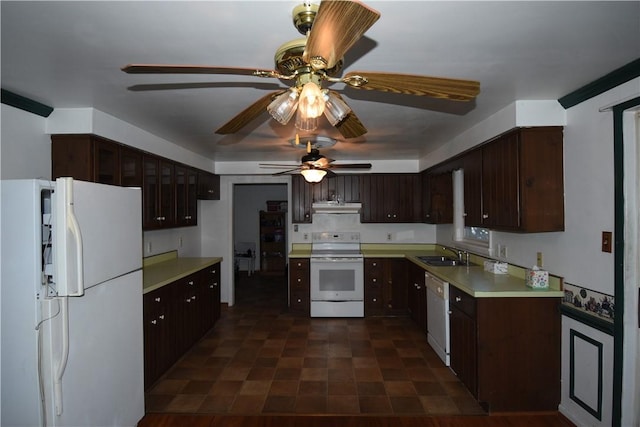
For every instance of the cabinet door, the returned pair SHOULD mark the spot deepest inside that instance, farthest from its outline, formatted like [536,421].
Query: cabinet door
[151,191]
[417,297]
[159,333]
[500,183]
[372,197]
[210,303]
[541,179]
[301,200]
[441,198]
[167,193]
[185,192]
[106,162]
[472,168]
[130,167]
[208,186]
[188,312]
[394,292]
[463,344]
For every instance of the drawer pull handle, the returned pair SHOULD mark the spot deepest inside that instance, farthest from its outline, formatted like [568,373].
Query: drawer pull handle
[161,317]
[157,299]
[153,322]
[458,299]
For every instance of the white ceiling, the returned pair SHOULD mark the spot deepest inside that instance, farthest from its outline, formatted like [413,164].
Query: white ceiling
[69,55]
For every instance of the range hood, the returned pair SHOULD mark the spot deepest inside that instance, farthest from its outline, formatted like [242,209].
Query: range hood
[331,207]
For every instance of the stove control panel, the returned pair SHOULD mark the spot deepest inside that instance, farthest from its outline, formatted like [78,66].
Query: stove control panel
[336,237]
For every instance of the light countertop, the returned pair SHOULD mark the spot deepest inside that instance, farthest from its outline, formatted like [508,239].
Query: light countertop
[472,279]
[165,269]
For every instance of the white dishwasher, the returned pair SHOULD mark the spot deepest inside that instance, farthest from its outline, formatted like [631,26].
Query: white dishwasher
[438,316]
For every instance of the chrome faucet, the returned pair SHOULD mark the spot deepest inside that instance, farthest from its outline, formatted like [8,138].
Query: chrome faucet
[459,254]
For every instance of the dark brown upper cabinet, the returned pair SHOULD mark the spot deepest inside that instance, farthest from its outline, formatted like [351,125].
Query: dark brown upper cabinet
[304,194]
[85,157]
[522,181]
[391,198]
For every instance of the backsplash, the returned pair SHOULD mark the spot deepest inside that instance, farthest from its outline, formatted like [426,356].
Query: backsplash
[596,303]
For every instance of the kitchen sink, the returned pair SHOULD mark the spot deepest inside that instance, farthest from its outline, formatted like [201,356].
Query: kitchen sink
[442,261]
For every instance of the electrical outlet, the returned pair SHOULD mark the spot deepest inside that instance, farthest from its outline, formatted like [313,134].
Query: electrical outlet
[305,236]
[539,260]
[295,228]
[149,247]
[502,251]
[180,241]
[389,237]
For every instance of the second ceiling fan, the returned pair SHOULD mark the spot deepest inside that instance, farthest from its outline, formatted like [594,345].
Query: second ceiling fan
[330,30]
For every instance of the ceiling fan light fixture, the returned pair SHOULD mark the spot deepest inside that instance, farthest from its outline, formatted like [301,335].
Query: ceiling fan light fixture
[283,107]
[313,175]
[335,109]
[306,124]
[311,103]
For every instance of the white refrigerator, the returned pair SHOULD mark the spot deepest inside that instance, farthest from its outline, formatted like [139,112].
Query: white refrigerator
[71,304]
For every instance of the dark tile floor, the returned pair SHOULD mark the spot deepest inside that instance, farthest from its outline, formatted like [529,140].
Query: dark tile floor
[259,359]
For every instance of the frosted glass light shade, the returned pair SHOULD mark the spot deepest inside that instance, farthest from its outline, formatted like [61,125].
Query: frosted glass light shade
[283,107]
[335,109]
[311,102]
[313,175]
[306,124]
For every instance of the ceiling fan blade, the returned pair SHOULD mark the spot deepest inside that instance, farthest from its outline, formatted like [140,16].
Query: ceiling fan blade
[274,165]
[285,172]
[321,163]
[248,114]
[336,27]
[408,84]
[351,166]
[194,69]
[351,127]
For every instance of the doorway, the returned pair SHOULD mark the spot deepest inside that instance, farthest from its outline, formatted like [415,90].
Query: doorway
[249,200]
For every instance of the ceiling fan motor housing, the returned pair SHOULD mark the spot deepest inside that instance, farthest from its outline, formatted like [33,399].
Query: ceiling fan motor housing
[303,16]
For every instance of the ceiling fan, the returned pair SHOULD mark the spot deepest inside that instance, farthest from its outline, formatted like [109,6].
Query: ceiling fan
[314,166]
[330,30]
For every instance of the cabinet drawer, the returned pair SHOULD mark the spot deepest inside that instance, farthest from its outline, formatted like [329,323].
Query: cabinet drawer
[299,302]
[299,265]
[462,301]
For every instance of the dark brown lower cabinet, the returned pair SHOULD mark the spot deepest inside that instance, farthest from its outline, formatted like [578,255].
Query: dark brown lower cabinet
[507,350]
[385,286]
[299,294]
[176,316]
[417,296]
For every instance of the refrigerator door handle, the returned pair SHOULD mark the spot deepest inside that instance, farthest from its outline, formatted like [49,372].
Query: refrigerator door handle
[67,242]
[62,363]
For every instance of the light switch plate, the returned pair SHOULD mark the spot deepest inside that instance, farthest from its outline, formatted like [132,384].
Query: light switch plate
[606,241]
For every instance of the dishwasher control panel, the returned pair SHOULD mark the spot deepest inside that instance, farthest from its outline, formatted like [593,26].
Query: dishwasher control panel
[437,286]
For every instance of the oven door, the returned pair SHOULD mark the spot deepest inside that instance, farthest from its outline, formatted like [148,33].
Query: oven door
[337,279]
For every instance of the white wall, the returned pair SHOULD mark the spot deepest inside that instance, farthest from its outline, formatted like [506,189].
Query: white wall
[25,149]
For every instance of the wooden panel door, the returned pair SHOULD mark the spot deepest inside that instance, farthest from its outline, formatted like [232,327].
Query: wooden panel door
[150,193]
[394,291]
[167,198]
[301,200]
[541,179]
[500,177]
[372,198]
[472,169]
[186,180]
[106,162]
[130,167]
